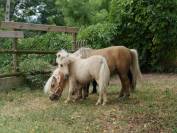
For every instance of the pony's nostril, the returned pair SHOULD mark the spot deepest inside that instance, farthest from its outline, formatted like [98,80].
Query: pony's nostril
[66,76]
[53,97]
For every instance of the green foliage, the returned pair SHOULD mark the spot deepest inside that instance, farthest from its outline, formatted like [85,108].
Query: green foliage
[99,35]
[49,41]
[36,81]
[5,59]
[84,12]
[150,26]
[76,12]
[100,16]
[34,65]
[2,9]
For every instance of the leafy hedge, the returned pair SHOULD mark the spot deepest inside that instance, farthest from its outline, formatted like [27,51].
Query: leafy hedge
[151,27]
[99,35]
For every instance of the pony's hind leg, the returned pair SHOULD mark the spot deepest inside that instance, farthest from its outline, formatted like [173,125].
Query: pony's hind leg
[104,97]
[94,83]
[99,99]
[125,90]
[100,95]
[85,91]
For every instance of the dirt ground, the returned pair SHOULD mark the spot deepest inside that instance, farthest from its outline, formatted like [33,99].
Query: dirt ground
[161,80]
[152,108]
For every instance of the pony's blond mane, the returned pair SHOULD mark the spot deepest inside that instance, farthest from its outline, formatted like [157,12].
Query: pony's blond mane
[49,81]
[83,52]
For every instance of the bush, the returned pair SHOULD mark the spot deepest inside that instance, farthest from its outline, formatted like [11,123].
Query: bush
[151,27]
[34,65]
[49,41]
[99,35]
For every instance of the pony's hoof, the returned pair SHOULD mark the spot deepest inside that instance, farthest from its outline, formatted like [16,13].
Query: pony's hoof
[121,95]
[66,101]
[98,103]
[104,104]
[127,96]
[74,100]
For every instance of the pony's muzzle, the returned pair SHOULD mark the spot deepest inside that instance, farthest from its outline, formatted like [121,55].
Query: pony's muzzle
[53,97]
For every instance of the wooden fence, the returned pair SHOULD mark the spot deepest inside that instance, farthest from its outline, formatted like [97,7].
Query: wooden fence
[13,32]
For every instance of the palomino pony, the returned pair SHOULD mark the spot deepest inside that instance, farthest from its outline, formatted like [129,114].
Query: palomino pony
[55,84]
[120,60]
[82,71]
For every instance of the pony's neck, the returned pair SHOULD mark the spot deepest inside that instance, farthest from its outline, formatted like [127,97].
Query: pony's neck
[73,58]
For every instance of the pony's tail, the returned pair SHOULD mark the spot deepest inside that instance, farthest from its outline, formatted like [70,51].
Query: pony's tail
[135,69]
[104,74]
[47,85]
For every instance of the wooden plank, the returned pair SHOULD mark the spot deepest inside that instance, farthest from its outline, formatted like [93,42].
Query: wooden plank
[7,14]
[39,27]
[14,61]
[11,82]
[74,41]
[11,34]
[22,74]
[26,51]
[2,51]
[11,74]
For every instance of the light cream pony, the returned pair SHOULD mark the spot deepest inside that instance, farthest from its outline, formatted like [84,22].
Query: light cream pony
[82,71]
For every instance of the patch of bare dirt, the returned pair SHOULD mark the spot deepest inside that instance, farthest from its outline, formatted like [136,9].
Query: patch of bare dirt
[161,81]
[26,105]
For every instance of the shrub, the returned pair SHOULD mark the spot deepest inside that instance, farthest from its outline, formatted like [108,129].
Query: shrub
[48,41]
[99,35]
[150,26]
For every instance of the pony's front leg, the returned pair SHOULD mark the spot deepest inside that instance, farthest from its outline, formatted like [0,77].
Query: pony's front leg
[69,95]
[70,91]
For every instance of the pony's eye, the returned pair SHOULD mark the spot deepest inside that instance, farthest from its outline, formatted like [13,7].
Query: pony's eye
[58,55]
[61,65]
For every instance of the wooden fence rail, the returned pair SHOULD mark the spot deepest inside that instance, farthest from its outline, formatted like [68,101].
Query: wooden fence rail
[11,34]
[38,27]
[2,51]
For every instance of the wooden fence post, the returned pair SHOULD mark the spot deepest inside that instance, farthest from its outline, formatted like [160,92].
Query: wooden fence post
[7,14]
[74,41]
[14,47]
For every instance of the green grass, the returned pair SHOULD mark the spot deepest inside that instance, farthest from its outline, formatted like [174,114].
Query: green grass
[152,108]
